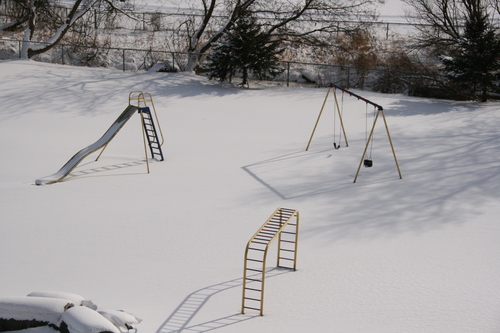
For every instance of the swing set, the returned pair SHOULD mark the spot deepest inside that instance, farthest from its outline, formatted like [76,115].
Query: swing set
[366,159]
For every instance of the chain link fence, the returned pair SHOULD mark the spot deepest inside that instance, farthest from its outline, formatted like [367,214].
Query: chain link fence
[294,73]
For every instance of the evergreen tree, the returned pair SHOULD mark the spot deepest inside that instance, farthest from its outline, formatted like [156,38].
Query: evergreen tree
[476,62]
[245,50]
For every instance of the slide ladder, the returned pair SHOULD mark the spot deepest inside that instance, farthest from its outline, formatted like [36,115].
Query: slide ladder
[150,133]
[278,225]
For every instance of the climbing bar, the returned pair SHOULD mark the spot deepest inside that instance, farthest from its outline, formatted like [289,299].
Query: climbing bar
[256,252]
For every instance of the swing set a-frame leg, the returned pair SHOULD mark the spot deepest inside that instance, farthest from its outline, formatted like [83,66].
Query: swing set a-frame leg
[380,111]
[317,120]
[321,112]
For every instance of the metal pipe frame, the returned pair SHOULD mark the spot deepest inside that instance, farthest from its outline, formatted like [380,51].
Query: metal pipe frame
[380,110]
[370,137]
[321,112]
[283,224]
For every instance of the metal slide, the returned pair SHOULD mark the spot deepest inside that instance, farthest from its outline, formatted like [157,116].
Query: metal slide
[78,157]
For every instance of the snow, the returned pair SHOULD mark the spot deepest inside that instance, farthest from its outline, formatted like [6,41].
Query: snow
[77,300]
[418,254]
[121,319]
[81,319]
[41,309]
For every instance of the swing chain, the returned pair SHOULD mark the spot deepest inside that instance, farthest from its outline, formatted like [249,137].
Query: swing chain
[341,112]
[368,162]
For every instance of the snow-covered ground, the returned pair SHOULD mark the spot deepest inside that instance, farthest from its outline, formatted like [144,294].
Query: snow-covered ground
[420,254]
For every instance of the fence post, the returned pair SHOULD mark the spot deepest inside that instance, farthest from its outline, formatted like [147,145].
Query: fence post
[62,54]
[348,77]
[123,59]
[288,74]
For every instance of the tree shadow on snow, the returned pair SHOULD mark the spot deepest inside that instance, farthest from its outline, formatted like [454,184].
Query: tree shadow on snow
[448,173]
[407,107]
[66,89]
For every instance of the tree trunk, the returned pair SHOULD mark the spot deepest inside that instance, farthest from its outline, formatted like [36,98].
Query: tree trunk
[484,95]
[192,62]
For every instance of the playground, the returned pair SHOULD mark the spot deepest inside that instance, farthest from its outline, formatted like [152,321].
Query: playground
[416,253]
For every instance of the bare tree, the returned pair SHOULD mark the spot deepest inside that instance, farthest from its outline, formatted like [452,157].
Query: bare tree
[17,13]
[45,24]
[440,23]
[464,35]
[282,20]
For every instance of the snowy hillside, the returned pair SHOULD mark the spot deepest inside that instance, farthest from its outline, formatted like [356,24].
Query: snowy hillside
[418,254]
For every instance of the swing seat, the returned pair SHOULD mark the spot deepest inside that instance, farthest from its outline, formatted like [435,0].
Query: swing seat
[368,163]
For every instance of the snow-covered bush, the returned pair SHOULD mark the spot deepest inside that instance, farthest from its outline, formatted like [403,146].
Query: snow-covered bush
[84,320]
[74,298]
[61,311]
[18,313]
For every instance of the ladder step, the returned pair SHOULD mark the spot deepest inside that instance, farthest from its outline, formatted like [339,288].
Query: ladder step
[288,232]
[270,227]
[255,280]
[251,248]
[253,299]
[287,250]
[276,222]
[285,241]
[253,241]
[255,260]
[254,270]
[249,307]
[253,289]
[286,259]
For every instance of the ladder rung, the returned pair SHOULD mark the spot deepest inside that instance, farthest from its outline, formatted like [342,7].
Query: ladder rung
[276,221]
[253,289]
[288,232]
[251,248]
[257,243]
[254,270]
[270,227]
[287,250]
[287,259]
[253,299]
[255,260]
[285,241]
[249,307]
[255,280]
